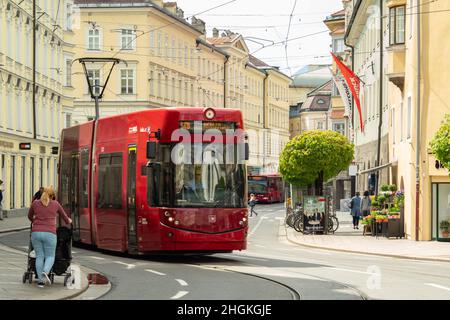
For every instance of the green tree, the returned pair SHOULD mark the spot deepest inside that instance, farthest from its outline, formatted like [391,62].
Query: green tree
[440,145]
[315,155]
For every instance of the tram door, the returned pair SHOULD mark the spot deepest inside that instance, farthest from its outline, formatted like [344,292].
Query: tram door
[73,195]
[131,199]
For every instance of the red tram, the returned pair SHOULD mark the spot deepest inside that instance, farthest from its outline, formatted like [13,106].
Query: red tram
[122,182]
[268,188]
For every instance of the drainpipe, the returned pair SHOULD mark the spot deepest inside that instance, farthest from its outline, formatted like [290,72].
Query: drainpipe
[418,122]
[380,125]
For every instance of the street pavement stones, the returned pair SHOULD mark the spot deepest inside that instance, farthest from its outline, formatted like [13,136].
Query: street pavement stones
[13,264]
[347,239]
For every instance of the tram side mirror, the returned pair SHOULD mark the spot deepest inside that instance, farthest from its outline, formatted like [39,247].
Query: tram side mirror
[151,150]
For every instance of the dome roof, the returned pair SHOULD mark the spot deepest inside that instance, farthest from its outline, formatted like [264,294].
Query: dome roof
[312,76]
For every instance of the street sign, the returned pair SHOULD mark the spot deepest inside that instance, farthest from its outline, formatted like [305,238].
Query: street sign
[25,146]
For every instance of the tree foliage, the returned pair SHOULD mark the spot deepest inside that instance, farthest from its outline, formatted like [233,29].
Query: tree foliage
[305,156]
[440,145]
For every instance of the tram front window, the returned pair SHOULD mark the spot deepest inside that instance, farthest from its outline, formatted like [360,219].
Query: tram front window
[213,183]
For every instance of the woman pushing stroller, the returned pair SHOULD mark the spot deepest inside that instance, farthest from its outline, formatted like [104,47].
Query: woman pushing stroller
[43,214]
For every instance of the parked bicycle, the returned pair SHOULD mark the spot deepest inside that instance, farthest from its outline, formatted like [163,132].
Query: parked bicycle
[333,223]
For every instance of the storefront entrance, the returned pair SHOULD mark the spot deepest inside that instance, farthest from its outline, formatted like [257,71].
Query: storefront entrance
[441,212]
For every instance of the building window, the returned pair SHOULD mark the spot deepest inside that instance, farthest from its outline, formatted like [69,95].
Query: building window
[127,81]
[409,119]
[127,39]
[397,25]
[339,127]
[110,181]
[320,125]
[68,73]
[94,39]
[68,120]
[94,77]
[69,17]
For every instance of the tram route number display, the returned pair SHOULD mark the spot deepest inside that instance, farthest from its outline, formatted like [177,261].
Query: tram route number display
[314,216]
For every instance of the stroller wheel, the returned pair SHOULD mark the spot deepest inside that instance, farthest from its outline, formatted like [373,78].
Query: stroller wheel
[30,278]
[67,280]
[25,277]
[52,278]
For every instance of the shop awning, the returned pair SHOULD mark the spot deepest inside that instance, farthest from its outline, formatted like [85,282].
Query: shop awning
[387,165]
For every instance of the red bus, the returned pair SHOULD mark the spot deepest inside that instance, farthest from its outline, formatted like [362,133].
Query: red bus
[126,190]
[268,188]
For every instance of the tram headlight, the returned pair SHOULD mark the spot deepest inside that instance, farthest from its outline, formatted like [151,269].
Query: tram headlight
[177,222]
[167,214]
[171,219]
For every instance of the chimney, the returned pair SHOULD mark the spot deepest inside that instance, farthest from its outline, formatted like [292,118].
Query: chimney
[215,33]
[171,7]
[199,24]
[180,13]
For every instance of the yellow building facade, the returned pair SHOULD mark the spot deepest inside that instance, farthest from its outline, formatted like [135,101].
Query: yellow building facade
[27,158]
[172,63]
[413,131]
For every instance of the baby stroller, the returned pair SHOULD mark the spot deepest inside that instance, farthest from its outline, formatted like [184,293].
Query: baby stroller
[63,258]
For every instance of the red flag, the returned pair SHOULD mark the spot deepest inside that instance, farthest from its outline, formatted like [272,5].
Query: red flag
[354,85]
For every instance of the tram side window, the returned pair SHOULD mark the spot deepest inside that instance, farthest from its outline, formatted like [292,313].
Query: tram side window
[110,181]
[84,179]
[65,177]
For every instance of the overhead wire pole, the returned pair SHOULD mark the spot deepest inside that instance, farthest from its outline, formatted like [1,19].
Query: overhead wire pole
[96,98]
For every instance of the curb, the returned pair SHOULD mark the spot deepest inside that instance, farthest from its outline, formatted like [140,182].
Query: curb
[365,253]
[84,273]
[14,230]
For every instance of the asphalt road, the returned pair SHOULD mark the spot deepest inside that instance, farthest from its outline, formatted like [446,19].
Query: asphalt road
[271,269]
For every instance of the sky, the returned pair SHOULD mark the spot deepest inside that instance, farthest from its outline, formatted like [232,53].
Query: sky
[264,22]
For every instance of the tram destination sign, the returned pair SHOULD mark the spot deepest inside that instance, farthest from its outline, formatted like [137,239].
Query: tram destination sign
[207,125]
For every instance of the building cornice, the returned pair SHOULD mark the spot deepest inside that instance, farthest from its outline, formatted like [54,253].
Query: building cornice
[352,19]
[137,5]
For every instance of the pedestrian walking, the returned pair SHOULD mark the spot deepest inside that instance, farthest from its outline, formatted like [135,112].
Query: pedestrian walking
[252,204]
[38,194]
[366,203]
[1,199]
[355,205]
[42,214]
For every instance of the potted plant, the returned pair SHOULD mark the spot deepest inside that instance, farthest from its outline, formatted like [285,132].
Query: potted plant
[444,226]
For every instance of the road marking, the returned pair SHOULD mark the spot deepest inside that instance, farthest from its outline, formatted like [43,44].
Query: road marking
[179,295]
[17,283]
[437,286]
[155,272]
[279,218]
[257,226]
[129,266]
[249,258]
[348,270]
[182,282]
[8,268]
[96,258]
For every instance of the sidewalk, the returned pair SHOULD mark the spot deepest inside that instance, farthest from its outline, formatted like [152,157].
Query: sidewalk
[14,223]
[13,264]
[346,239]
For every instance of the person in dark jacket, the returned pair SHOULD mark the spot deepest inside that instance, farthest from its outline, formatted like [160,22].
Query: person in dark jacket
[355,205]
[43,214]
[38,194]
[252,204]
